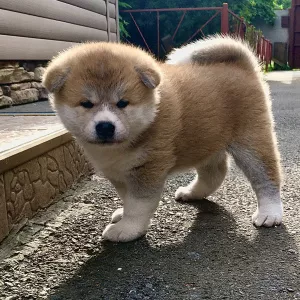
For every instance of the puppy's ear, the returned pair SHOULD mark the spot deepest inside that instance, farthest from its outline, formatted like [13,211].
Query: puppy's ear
[149,76]
[55,77]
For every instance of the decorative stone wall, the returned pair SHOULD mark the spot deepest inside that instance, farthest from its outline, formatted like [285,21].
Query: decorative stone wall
[35,184]
[20,82]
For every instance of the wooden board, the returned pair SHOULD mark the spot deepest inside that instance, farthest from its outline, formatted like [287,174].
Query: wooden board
[294,35]
[98,6]
[17,24]
[22,48]
[52,9]
[39,29]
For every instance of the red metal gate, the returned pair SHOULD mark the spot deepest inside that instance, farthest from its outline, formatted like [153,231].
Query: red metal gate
[230,24]
[294,35]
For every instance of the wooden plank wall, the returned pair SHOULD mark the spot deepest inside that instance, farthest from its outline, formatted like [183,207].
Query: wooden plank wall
[38,29]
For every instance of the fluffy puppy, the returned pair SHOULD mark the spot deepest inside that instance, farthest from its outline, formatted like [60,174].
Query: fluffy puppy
[140,120]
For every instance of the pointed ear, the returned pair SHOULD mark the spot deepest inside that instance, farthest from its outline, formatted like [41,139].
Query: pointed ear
[149,76]
[55,77]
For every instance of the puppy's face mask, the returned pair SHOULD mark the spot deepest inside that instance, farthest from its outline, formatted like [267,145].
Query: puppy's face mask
[102,95]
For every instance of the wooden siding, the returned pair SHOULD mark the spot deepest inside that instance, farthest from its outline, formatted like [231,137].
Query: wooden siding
[93,5]
[39,29]
[55,10]
[13,48]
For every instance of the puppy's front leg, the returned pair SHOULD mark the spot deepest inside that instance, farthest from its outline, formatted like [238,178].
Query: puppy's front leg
[122,191]
[140,203]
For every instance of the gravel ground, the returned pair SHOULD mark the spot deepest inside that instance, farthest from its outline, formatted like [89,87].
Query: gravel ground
[204,250]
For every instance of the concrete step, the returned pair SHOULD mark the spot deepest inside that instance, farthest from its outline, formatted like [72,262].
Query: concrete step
[38,161]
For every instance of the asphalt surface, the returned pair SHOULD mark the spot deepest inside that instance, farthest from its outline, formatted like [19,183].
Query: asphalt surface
[205,250]
[42,106]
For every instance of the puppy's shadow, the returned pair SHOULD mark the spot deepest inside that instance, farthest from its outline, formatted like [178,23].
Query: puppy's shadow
[211,259]
[205,206]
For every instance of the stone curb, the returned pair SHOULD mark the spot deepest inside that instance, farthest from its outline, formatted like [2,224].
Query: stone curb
[33,175]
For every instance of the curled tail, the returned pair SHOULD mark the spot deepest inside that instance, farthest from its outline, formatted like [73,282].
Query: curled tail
[214,50]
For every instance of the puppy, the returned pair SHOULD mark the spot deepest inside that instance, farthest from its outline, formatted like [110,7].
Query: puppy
[140,120]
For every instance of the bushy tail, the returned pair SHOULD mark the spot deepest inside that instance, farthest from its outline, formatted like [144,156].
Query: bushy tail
[214,50]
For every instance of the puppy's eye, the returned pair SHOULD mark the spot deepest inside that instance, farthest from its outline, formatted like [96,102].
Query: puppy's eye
[87,104]
[122,103]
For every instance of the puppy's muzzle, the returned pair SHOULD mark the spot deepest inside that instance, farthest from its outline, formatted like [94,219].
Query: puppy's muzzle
[105,131]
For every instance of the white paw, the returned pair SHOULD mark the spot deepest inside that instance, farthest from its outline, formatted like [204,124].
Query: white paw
[124,231]
[268,216]
[184,193]
[117,215]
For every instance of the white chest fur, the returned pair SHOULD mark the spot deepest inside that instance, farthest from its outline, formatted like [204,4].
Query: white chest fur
[114,162]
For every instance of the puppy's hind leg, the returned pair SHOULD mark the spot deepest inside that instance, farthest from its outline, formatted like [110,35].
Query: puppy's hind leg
[259,160]
[209,178]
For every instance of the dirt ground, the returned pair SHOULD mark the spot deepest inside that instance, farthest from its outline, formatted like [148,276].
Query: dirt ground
[204,250]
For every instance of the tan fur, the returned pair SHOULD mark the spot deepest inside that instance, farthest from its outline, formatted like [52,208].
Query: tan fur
[229,52]
[203,107]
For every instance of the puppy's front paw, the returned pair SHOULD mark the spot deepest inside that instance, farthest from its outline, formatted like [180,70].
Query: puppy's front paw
[117,215]
[268,216]
[184,193]
[124,231]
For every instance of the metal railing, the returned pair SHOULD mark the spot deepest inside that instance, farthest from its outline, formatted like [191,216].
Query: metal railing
[231,24]
[261,46]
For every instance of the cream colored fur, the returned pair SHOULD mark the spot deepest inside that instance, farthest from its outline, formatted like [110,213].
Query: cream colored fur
[208,101]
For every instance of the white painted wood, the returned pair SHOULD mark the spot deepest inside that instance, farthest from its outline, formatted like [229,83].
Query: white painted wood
[98,6]
[22,48]
[117,19]
[112,10]
[113,37]
[108,20]
[39,29]
[16,24]
[56,10]
[113,25]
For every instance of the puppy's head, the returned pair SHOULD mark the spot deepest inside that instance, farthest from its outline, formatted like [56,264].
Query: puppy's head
[104,93]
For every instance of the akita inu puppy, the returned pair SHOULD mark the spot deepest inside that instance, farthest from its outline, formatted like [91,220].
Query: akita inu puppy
[140,120]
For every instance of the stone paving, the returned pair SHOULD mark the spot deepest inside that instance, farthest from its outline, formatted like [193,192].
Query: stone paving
[16,131]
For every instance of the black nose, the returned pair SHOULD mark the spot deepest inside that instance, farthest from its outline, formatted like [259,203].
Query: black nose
[105,130]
